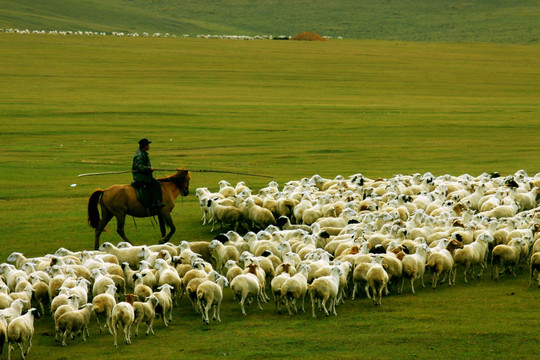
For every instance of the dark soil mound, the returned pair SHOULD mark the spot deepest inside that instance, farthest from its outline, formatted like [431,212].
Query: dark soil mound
[309,36]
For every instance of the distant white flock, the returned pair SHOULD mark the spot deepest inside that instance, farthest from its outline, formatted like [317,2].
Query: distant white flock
[146,34]
[327,240]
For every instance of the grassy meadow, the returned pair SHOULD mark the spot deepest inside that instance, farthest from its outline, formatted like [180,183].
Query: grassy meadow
[494,21]
[72,105]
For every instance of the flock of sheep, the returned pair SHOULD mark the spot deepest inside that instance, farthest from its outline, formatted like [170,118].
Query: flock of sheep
[144,34]
[329,239]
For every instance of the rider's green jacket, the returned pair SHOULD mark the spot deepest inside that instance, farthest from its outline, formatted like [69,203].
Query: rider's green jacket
[141,163]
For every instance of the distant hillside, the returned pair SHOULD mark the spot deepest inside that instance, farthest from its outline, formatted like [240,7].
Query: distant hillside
[498,21]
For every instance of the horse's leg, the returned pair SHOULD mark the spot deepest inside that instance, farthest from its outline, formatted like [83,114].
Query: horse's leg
[168,220]
[120,221]
[107,216]
[161,225]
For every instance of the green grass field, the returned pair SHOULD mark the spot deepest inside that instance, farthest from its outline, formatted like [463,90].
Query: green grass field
[494,21]
[285,109]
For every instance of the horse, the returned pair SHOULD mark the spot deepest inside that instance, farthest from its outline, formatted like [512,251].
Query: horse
[121,200]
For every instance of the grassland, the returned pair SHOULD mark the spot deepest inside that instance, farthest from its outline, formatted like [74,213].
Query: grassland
[497,21]
[285,109]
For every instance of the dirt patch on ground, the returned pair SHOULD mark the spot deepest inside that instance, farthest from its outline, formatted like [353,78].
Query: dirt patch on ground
[309,36]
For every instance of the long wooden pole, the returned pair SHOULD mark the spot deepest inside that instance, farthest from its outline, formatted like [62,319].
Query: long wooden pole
[196,170]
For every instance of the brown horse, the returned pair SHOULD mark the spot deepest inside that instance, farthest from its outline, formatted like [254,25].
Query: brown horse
[121,200]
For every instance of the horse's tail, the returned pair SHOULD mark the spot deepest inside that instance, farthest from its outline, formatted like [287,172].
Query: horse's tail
[93,212]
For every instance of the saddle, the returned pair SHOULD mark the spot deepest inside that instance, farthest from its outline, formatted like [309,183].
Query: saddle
[144,194]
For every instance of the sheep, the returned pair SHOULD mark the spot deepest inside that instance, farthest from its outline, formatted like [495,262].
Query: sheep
[123,314]
[377,279]
[3,332]
[506,257]
[443,261]
[284,223]
[414,266]
[258,215]
[72,305]
[471,255]
[169,275]
[145,312]
[100,282]
[21,330]
[226,190]
[5,299]
[198,247]
[141,290]
[165,306]
[129,255]
[103,305]
[223,253]
[325,288]
[359,277]
[295,288]
[224,214]
[26,295]
[15,310]
[41,291]
[232,270]
[534,268]
[501,211]
[74,321]
[246,286]
[210,294]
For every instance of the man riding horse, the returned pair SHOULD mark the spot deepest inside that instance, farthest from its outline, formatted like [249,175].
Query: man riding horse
[148,188]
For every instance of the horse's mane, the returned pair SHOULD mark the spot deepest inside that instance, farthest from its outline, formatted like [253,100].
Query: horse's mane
[177,178]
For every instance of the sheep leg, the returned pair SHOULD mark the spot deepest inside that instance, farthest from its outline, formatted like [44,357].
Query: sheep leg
[109,324]
[354,290]
[150,327]
[324,306]
[313,305]
[242,304]
[400,291]
[367,291]
[303,301]
[114,333]
[412,285]
[137,323]
[127,334]
[21,346]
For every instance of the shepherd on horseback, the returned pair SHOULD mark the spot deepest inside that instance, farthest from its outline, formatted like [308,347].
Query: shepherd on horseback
[147,187]
[121,200]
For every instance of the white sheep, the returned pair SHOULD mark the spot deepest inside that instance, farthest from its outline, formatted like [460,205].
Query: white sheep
[534,269]
[377,279]
[14,310]
[72,305]
[103,305]
[506,257]
[295,288]
[232,270]
[3,332]
[246,286]
[73,322]
[141,291]
[414,266]
[20,331]
[145,312]
[224,214]
[210,295]
[165,306]
[442,261]
[169,275]
[101,282]
[325,288]
[258,215]
[471,255]
[223,253]
[129,254]
[123,314]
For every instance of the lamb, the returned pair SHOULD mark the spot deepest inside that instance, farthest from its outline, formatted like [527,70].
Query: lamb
[377,279]
[209,295]
[534,266]
[74,321]
[414,266]
[258,215]
[232,270]
[145,312]
[246,286]
[223,253]
[123,314]
[103,305]
[21,330]
[295,288]
[506,257]
[325,288]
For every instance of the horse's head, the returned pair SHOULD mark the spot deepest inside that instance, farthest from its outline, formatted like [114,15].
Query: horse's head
[180,179]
